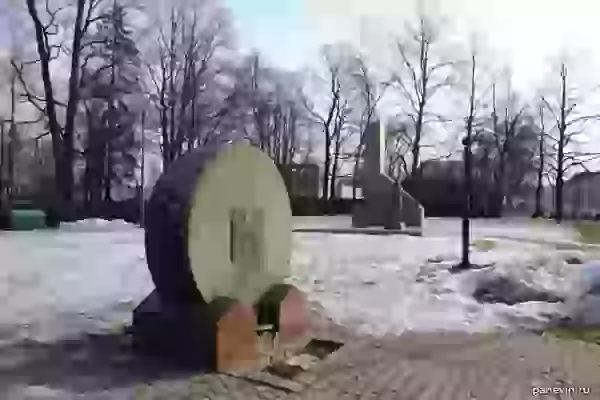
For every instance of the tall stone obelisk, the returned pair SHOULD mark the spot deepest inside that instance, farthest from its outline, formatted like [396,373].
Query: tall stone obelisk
[385,203]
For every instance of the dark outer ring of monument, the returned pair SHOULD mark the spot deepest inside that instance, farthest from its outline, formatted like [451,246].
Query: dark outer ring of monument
[166,231]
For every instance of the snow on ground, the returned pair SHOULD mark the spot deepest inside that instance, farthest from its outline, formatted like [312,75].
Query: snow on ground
[514,228]
[88,276]
[388,284]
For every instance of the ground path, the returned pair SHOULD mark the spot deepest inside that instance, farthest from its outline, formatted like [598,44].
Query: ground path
[457,366]
[452,366]
[417,366]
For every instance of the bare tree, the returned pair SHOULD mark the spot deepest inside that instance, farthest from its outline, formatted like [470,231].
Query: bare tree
[186,76]
[327,122]
[542,162]
[569,123]
[331,119]
[505,137]
[500,144]
[420,79]
[272,98]
[340,137]
[49,47]
[110,92]
[13,125]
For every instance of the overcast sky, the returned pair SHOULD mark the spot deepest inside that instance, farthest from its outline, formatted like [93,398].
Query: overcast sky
[4,31]
[524,33]
[527,35]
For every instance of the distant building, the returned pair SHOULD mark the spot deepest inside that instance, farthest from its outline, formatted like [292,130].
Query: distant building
[581,195]
[439,186]
[301,179]
[450,169]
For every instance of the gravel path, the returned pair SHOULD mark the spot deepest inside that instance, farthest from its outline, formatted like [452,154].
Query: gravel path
[458,366]
[413,366]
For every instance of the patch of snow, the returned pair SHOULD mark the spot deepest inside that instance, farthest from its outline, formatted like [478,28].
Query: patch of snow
[97,225]
[386,284]
[38,393]
[89,275]
[583,307]
[59,283]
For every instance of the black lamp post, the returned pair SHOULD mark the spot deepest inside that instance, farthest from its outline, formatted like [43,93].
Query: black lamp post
[467,201]
[468,183]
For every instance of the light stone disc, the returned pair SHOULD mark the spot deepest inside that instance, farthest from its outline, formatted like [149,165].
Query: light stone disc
[239,226]
[218,223]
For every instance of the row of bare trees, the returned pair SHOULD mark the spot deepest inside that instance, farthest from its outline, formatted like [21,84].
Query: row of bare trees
[97,70]
[100,67]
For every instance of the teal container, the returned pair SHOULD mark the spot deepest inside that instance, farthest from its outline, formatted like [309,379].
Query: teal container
[28,220]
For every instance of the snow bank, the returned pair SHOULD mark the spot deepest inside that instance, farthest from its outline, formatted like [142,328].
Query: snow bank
[583,307]
[97,225]
[57,283]
[395,283]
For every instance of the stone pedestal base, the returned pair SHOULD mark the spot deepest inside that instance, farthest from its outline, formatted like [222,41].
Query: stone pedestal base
[387,205]
[219,336]
[224,335]
[284,308]
[381,207]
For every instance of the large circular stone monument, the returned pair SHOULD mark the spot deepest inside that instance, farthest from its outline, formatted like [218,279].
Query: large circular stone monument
[218,224]
[218,245]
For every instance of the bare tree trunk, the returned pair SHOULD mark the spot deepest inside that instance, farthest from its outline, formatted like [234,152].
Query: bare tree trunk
[10,160]
[62,139]
[60,166]
[326,167]
[72,103]
[423,59]
[334,167]
[164,121]
[143,170]
[2,203]
[335,92]
[502,161]
[12,139]
[561,146]
[494,197]
[112,130]
[172,92]
[540,172]
[107,171]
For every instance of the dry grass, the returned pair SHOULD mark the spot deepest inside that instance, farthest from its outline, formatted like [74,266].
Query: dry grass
[589,232]
[584,334]
[484,244]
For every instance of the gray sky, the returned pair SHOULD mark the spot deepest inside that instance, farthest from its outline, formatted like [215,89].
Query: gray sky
[522,33]
[525,34]
[528,36]
[4,29]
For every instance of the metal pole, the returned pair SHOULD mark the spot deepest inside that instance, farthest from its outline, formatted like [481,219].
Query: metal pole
[468,189]
[466,228]
[1,163]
